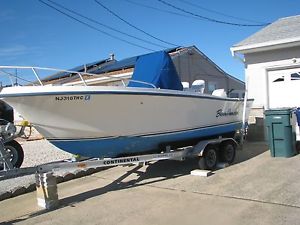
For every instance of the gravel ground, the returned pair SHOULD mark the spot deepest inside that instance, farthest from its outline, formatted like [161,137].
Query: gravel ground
[35,153]
[41,151]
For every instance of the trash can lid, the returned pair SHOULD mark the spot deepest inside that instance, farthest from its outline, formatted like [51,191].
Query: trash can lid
[278,111]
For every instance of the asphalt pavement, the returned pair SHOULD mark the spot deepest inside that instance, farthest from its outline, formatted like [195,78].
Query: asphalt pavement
[257,189]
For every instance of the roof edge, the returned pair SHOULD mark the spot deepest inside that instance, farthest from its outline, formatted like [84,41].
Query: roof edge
[264,46]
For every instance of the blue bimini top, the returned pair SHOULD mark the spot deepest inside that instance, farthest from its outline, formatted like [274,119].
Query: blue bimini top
[158,69]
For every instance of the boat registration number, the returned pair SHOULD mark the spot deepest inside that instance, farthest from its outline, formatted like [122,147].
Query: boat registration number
[73,98]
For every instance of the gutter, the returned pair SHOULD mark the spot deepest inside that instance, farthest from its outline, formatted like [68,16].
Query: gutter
[265,46]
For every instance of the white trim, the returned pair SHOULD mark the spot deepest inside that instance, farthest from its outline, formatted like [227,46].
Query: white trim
[267,90]
[269,45]
[282,67]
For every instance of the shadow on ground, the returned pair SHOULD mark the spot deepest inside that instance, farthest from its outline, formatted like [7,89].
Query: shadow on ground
[251,150]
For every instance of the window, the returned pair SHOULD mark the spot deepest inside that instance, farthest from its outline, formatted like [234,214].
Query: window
[279,79]
[212,86]
[233,95]
[295,76]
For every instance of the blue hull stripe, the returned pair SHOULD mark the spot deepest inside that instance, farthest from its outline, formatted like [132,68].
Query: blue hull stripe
[112,147]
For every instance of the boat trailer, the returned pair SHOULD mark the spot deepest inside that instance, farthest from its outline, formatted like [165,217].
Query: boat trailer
[209,152]
[206,150]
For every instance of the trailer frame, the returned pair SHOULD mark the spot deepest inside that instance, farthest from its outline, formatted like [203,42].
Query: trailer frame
[178,154]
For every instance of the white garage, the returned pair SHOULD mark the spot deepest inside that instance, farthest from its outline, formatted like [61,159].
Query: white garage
[272,66]
[283,88]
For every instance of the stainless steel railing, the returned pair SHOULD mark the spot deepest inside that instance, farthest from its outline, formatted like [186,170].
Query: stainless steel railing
[6,70]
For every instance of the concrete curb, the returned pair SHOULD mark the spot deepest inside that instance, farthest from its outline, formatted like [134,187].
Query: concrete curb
[59,179]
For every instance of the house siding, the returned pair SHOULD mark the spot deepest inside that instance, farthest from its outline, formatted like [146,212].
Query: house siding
[257,66]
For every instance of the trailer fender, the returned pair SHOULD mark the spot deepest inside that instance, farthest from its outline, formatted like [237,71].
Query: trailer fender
[200,146]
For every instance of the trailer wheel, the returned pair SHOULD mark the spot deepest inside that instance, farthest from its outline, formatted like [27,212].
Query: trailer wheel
[227,152]
[210,158]
[15,150]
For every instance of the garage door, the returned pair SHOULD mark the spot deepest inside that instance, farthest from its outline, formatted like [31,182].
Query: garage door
[284,88]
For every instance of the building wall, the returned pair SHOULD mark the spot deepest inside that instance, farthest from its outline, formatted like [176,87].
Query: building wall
[257,67]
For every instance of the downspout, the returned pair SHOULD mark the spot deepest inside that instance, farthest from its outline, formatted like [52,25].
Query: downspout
[245,97]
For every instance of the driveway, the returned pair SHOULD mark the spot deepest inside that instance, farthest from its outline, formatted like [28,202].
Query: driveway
[257,189]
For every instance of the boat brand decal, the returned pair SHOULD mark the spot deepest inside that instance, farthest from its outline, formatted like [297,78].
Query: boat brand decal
[228,113]
[73,98]
[118,161]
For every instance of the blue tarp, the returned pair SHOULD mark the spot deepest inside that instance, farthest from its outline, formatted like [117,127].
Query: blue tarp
[158,69]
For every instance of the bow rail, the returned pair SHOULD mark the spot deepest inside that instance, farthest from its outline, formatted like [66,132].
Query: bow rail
[36,71]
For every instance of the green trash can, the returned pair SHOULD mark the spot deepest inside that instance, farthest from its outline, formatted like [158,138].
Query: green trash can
[281,132]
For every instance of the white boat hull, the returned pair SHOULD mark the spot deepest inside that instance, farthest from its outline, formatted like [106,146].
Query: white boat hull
[107,121]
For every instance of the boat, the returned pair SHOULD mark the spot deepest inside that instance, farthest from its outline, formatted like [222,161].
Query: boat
[151,112]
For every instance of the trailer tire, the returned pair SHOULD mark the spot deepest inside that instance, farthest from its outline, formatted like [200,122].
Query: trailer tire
[16,153]
[228,152]
[210,158]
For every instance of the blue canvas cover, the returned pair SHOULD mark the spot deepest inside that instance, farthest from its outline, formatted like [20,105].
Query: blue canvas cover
[158,69]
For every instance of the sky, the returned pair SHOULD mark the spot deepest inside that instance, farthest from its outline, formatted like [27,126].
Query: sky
[34,34]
